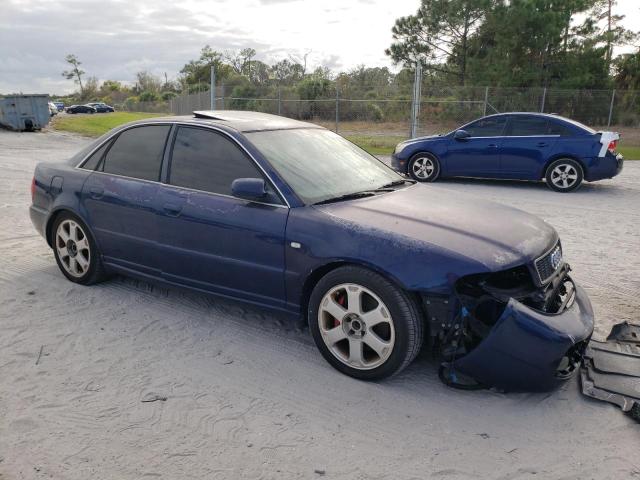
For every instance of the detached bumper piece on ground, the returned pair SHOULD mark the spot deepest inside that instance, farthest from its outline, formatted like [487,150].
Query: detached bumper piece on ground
[611,369]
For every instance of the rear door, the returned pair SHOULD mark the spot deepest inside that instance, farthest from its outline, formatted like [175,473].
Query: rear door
[478,155]
[210,239]
[119,197]
[526,147]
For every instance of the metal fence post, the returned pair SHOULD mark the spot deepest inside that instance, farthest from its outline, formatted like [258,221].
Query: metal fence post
[279,101]
[337,108]
[486,101]
[613,97]
[222,95]
[415,107]
[212,87]
[544,99]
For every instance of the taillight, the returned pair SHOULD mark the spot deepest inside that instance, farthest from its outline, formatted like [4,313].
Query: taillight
[33,189]
[612,146]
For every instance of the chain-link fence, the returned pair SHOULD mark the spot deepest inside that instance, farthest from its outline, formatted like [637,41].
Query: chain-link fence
[387,110]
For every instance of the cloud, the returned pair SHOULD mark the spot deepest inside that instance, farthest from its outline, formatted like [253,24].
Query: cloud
[116,38]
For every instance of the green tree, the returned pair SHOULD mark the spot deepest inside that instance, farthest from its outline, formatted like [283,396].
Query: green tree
[607,25]
[439,35]
[149,96]
[627,71]
[287,72]
[75,72]
[532,43]
[148,82]
[196,74]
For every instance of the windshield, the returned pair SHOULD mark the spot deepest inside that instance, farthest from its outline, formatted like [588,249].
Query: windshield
[319,165]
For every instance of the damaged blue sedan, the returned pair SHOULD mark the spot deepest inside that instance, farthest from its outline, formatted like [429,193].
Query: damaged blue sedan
[291,216]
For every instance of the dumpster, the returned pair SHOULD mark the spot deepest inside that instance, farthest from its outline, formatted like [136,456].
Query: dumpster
[24,112]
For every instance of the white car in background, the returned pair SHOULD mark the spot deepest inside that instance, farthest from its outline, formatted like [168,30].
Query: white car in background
[53,110]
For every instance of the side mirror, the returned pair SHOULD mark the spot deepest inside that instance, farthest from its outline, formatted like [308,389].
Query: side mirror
[461,135]
[249,188]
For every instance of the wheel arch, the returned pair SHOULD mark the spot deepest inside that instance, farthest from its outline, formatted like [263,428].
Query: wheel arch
[318,273]
[423,151]
[52,219]
[559,156]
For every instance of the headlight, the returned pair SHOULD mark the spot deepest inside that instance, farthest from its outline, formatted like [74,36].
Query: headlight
[399,148]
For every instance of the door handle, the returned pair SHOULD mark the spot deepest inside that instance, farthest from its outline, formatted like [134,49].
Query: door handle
[172,209]
[96,192]
[492,145]
[542,144]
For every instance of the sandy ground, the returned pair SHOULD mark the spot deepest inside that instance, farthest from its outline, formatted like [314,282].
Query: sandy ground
[248,395]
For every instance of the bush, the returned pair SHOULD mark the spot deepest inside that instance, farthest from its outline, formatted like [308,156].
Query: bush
[149,97]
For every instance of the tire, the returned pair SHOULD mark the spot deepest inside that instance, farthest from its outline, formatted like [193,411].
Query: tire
[375,338]
[76,253]
[564,175]
[424,167]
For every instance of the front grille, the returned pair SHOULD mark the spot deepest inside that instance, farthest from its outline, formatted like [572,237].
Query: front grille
[549,263]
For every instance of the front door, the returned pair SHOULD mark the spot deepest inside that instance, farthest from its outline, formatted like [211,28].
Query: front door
[479,154]
[210,239]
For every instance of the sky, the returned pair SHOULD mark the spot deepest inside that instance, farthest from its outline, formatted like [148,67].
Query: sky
[114,39]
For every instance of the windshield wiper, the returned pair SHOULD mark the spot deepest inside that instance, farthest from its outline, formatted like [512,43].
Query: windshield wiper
[396,183]
[347,196]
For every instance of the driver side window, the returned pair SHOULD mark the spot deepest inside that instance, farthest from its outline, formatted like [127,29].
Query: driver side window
[487,127]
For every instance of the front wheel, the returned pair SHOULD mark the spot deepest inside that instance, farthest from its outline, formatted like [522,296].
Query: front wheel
[76,251]
[564,175]
[364,325]
[424,167]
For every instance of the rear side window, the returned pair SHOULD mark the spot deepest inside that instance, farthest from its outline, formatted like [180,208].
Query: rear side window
[487,127]
[208,161]
[556,128]
[93,161]
[521,126]
[137,152]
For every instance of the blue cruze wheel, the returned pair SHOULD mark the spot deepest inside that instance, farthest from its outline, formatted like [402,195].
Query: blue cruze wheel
[564,175]
[424,167]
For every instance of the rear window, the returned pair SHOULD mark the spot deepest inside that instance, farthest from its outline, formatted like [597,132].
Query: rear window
[137,152]
[556,128]
[93,161]
[521,126]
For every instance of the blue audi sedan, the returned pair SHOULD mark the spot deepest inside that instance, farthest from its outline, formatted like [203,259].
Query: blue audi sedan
[290,216]
[517,146]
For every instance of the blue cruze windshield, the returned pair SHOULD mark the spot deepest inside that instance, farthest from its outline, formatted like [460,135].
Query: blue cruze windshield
[319,165]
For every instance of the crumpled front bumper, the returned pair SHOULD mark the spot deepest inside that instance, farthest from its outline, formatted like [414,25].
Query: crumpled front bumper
[527,350]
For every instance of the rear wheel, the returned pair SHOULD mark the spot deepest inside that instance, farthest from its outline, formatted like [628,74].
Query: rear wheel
[424,167]
[75,250]
[364,325]
[564,175]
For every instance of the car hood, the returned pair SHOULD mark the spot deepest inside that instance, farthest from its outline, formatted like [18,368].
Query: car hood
[411,141]
[495,235]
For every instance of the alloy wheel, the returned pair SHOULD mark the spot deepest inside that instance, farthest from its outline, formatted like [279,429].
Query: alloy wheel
[356,326]
[564,176]
[423,167]
[72,246]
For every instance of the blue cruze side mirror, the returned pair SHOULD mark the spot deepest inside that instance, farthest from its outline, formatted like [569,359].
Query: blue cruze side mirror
[249,188]
[461,135]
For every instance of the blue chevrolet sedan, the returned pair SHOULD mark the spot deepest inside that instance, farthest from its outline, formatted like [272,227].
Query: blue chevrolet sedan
[517,146]
[291,216]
